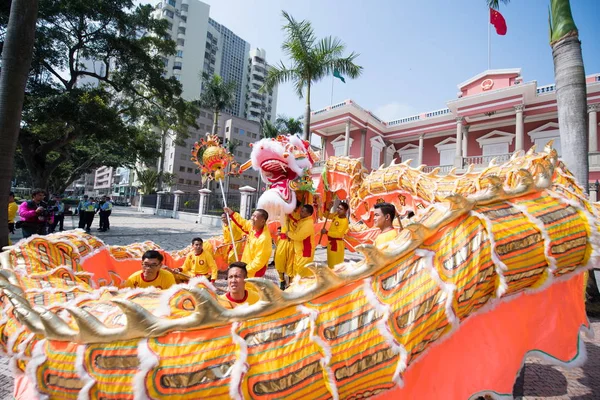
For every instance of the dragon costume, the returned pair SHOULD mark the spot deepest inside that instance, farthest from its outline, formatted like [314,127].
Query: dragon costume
[490,268]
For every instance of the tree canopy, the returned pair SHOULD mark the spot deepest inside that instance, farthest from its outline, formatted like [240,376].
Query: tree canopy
[95,87]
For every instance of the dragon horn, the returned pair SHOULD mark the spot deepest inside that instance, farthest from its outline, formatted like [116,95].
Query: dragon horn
[268,291]
[24,312]
[207,308]
[54,326]
[138,318]
[245,166]
[9,276]
[90,327]
[8,286]
[325,277]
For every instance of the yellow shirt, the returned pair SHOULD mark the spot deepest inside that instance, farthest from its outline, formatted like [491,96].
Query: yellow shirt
[338,227]
[12,212]
[202,264]
[163,280]
[226,301]
[291,221]
[258,245]
[386,237]
[237,236]
[304,237]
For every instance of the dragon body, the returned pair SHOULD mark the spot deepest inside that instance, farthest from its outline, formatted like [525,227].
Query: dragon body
[358,330]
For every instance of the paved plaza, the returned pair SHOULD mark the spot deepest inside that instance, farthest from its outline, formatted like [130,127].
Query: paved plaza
[538,379]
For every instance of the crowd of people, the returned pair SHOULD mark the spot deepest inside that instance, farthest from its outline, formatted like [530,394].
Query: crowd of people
[42,215]
[294,250]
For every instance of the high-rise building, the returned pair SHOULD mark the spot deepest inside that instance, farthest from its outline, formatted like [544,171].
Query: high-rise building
[204,45]
[259,105]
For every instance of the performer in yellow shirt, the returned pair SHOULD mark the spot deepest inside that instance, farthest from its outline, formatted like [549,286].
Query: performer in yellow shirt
[304,242]
[284,251]
[259,246]
[236,287]
[337,230]
[13,207]
[384,214]
[151,274]
[199,262]
[237,237]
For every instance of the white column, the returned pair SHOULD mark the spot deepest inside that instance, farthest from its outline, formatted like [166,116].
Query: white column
[158,197]
[519,128]
[593,129]
[245,201]
[204,193]
[458,161]
[347,139]
[177,194]
[420,150]
[465,142]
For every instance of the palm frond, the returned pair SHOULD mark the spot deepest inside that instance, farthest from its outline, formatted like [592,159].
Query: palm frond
[495,4]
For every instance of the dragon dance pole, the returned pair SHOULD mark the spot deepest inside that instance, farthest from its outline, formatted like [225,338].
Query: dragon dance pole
[228,221]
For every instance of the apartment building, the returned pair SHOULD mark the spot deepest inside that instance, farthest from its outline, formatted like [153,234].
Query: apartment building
[259,105]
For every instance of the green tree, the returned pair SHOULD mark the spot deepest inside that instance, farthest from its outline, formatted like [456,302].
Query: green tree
[571,97]
[216,95]
[311,61]
[269,130]
[16,59]
[288,125]
[148,179]
[118,48]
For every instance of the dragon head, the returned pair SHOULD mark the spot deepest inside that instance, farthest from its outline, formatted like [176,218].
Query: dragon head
[281,161]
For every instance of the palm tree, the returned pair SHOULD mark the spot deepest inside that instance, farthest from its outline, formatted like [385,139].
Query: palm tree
[216,95]
[148,179]
[311,61]
[17,53]
[571,97]
[289,125]
[569,77]
[269,130]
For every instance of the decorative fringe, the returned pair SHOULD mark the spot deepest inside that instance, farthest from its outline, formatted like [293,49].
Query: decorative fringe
[20,356]
[385,331]
[448,288]
[312,315]
[38,357]
[240,367]
[148,361]
[88,381]
[498,264]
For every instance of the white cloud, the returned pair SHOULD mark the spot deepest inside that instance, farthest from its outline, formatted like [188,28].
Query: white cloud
[395,110]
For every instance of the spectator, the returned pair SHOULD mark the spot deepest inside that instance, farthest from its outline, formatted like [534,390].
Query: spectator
[34,214]
[105,210]
[12,213]
[59,214]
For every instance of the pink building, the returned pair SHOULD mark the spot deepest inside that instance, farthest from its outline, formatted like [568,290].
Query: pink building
[495,113]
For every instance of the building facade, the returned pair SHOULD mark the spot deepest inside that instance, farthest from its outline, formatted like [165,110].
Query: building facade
[178,158]
[204,45]
[495,114]
[103,181]
[259,105]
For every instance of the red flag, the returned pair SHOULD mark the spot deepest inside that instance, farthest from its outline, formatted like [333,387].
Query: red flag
[498,21]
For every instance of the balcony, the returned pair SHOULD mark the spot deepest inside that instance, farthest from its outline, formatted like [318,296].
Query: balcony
[181,36]
[484,161]
[182,24]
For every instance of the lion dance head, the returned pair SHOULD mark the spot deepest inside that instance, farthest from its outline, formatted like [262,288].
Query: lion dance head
[282,162]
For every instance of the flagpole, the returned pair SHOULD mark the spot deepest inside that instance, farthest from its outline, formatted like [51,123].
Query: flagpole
[489,40]
[332,80]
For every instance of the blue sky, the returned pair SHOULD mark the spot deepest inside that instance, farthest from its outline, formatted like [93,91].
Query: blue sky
[413,53]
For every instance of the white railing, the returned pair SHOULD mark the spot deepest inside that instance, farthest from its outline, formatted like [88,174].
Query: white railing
[437,113]
[404,120]
[546,89]
[479,161]
[444,169]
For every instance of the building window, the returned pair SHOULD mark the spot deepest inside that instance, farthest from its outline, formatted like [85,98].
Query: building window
[447,150]
[338,145]
[196,183]
[189,170]
[545,133]
[181,30]
[172,3]
[180,181]
[495,143]
[177,65]
[180,42]
[168,13]
[377,145]
[182,169]
[184,7]
[183,157]
[408,152]
[226,129]
[236,130]
[188,182]
[179,53]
